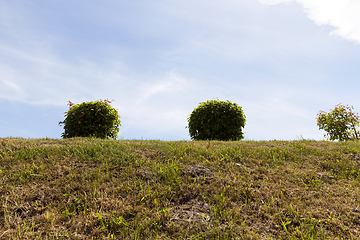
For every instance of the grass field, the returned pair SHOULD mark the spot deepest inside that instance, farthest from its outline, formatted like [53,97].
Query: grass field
[86,188]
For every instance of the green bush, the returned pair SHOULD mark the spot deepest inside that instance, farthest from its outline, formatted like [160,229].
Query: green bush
[340,123]
[91,119]
[217,120]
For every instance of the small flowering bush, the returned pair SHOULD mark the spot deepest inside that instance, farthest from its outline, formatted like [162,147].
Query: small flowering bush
[91,119]
[340,123]
[217,120]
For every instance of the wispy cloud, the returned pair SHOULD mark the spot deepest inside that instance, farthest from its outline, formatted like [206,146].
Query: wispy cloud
[173,83]
[10,89]
[274,2]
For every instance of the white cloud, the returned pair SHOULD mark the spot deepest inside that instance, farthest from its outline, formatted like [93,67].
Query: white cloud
[343,15]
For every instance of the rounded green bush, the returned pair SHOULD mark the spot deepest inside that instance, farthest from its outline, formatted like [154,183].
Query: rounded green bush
[217,120]
[91,119]
[340,123]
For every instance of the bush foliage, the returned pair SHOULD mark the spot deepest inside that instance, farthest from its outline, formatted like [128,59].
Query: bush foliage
[217,120]
[91,119]
[340,123]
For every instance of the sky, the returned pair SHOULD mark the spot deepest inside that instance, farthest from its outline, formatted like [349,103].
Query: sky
[282,61]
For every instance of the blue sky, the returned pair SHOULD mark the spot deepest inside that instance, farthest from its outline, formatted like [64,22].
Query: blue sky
[281,60]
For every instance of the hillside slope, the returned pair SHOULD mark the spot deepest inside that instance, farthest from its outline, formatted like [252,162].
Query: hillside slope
[105,189]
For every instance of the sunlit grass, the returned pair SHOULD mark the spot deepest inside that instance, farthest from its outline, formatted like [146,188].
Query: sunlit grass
[85,188]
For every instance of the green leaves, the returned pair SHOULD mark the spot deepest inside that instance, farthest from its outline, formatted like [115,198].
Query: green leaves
[91,119]
[339,123]
[217,120]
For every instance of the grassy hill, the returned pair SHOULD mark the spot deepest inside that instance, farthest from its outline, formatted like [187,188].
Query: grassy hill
[104,189]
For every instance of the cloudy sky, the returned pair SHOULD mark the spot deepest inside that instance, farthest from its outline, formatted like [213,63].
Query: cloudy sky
[281,60]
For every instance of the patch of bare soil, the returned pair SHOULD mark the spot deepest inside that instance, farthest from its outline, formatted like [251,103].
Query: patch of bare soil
[355,156]
[198,171]
[148,154]
[192,211]
[146,175]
